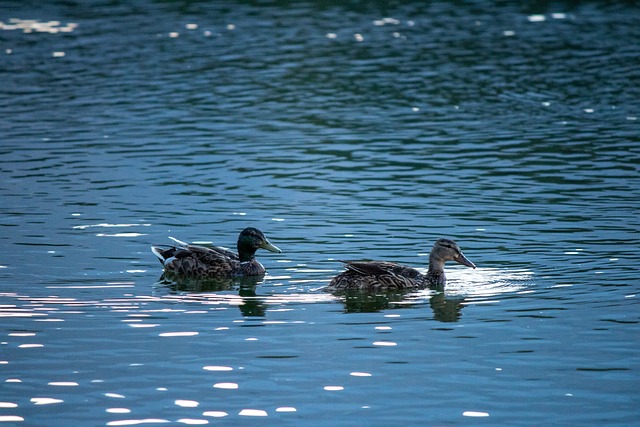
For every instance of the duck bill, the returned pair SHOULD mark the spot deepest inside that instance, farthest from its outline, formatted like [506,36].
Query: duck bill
[268,246]
[464,261]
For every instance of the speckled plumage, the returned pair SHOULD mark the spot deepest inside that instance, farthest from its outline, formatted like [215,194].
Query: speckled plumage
[384,276]
[192,261]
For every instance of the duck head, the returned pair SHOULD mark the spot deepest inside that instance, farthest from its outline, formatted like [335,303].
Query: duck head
[447,250]
[250,240]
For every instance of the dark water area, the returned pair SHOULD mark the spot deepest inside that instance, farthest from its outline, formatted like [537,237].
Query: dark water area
[364,130]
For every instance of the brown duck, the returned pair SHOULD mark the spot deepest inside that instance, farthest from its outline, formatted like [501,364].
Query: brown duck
[192,261]
[383,275]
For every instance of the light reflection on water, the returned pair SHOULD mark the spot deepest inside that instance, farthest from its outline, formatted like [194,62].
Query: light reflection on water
[386,333]
[156,311]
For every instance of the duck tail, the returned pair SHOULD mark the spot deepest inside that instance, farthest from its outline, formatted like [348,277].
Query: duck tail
[178,242]
[159,252]
[164,252]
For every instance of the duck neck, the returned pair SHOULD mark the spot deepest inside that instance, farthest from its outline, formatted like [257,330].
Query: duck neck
[246,252]
[435,275]
[252,268]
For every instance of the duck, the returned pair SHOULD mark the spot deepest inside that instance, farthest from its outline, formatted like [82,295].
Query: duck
[389,276]
[201,262]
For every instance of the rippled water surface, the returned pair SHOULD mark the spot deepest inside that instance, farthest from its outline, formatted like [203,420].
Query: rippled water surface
[343,131]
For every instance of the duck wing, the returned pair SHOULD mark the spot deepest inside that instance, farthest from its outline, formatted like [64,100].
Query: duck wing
[197,261]
[205,251]
[211,254]
[375,276]
[381,268]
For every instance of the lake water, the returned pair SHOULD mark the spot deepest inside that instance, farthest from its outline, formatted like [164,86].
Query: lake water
[358,131]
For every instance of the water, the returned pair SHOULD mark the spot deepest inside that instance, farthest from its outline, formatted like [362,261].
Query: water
[361,131]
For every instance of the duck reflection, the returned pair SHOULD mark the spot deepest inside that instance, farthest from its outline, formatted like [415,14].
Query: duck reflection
[445,309]
[177,283]
[244,285]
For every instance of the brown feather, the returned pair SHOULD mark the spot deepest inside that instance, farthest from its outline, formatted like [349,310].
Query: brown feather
[384,275]
[193,261]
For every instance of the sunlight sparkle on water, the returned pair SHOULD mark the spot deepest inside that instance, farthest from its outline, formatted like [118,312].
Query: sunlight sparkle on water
[114,395]
[178,334]
[484,282]
[226,386]
[253,413]
[385,343]
[475,414]
[120,234]
[10,418]
[386,21]
[8,405]
[192,421]
[137,422]
[108,225]
[118,410]
[33,25]
[45,400]
[187,403]
[218,368]
[536,18]
[215,414]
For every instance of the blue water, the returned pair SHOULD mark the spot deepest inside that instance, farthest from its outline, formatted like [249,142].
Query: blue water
[357,131]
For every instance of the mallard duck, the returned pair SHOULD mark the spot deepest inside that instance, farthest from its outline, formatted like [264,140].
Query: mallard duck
[194,261]
[383,275]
